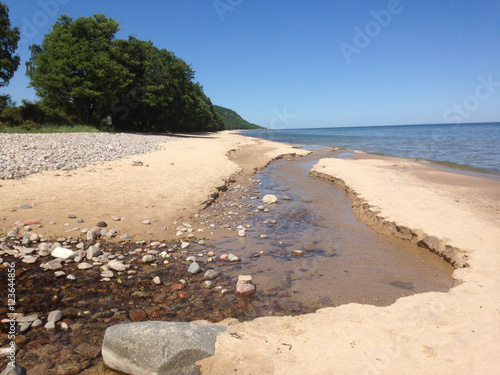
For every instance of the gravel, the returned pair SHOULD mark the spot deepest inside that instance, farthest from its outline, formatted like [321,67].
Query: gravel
[25,154]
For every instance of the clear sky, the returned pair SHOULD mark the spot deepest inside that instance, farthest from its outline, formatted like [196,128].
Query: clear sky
[316,63]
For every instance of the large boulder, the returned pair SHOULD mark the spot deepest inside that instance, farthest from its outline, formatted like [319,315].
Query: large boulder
[159,348]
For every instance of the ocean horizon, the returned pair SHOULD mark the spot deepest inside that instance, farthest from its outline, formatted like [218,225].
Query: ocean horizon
[472,146]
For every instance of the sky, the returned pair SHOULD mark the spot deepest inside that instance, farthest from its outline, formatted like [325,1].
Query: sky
[317,63]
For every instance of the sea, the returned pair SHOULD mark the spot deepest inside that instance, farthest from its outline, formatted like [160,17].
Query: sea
[470,148]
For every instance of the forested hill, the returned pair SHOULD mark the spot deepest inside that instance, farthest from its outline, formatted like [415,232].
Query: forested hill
[232,120]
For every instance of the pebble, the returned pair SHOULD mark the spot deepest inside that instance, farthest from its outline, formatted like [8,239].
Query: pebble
[211,274]
[194,268]
[233,258]
[117,265]
[125,236]
[24,206]
[148,258]
[137,315]
[298,253]
[116,218]
[59,273]
[147,222]
[55,316]
[68,151]
[157,280]
[102,224]
[61,252]
[84,266]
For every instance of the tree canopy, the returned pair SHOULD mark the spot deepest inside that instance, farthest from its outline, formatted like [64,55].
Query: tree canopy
[9,37]
[82,68]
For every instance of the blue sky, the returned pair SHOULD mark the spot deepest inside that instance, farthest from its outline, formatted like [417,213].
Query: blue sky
[317,63]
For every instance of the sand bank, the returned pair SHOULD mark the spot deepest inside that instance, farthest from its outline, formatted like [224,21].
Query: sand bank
[172,184]
[446,333]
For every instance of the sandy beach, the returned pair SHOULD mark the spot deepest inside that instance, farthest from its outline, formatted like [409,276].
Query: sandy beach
[456,216]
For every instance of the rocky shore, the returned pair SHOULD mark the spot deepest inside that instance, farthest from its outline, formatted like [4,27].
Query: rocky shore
[25,154]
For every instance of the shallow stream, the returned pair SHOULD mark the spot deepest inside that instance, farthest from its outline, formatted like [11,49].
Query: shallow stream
[343,260]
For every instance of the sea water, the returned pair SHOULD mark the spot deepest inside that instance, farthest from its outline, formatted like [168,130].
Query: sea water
[466,146]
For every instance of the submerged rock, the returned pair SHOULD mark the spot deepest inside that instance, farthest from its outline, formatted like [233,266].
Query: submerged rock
[159,347]
[270,199]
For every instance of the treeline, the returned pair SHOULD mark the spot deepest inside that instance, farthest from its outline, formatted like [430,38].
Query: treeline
[82,74]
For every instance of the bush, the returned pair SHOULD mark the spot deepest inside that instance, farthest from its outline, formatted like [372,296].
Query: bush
[11,116]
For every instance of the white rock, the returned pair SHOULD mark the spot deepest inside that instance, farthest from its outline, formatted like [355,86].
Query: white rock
[61,252]
[84,266]
[117,265]
[242,233]
[157,280]
[270,199]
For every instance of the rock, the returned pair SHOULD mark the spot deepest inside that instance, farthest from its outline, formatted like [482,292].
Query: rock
[244,289]
[233,258]
[79,221]
[211,274]
[84,266]
[269,199]
[137,315]
[50,326]
[17,369]
[245,279]
[117,265]
[136,163]
[53,265]
[61,252]
[242,233]
[27,319]
[12,233]
[194,268]
[298,253]
[31,222]
[147,222]
[157,280]
[71,277]
[148,258]
[126,236]
[223,257]
[59,273]
[55,316]
[102,224]
[165,348]
[92,252]
[183,295]
[116,218]
[71,216]
[185,245]
[25,207]
[191,259]
[37,323]
[29,259]
[107,274]
[34,237]
[91,236]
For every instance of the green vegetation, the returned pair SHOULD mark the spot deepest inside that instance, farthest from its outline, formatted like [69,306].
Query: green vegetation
[31,127]
[234,121]
[80,69]
[9,62]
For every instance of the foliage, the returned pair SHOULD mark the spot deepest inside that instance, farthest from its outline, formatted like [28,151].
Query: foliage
[48,128]
[11,116]
[82,69]
[73,68]
[9,37]
[234,121]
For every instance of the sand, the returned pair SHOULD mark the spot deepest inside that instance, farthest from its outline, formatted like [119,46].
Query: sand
[458,216]
[173,184]
[431,333]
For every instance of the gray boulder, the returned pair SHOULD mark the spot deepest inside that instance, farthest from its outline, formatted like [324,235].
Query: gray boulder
[159,348]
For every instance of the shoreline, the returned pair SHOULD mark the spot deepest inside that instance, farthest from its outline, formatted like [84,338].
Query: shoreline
[421,333]
[449,333]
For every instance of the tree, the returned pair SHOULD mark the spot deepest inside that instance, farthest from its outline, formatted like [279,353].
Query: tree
[9,62]
[74,67]
[162,96]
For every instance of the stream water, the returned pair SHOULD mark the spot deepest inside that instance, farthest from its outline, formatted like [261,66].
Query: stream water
[343,260]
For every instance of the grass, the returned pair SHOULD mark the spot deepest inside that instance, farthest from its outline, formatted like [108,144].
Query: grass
[48,128]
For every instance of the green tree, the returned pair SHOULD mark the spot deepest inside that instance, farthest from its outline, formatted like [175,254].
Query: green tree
[9,37]
[74,68]
[162,97]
